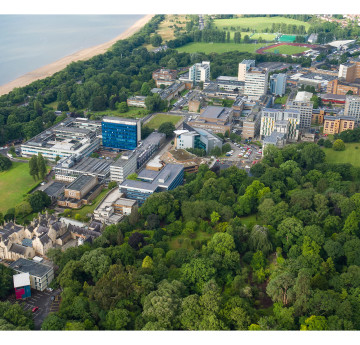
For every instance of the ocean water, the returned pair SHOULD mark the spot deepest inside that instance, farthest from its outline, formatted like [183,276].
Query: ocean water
[28,42]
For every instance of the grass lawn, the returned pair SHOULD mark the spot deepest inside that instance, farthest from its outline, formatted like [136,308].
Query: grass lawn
[158,119]
[288,50]
[257,23]
[281,100]
[350,155]
[14,183]
[207,48]
[249,219]
[133,113]
[264,35]
[53,105]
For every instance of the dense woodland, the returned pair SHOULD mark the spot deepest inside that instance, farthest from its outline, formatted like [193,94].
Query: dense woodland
[277,250]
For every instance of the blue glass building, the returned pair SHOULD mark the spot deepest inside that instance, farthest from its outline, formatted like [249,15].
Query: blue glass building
[278,84]
[120,134]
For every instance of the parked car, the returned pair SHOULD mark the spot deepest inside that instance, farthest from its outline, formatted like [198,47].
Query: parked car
[35,309]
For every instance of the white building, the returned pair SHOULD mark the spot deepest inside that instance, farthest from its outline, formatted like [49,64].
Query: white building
[302,103]
[199,72]
[243,67]
[124,166]
[352,106]
[256,82]
[282,121]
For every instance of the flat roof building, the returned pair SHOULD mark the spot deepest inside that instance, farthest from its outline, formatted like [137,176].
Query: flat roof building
[199,72]
[352,107]
[278,84]
[120,133]
[243,67]
[256,82]
[302,103]
[40,275]
[338,124]
[150,181]
[124,166]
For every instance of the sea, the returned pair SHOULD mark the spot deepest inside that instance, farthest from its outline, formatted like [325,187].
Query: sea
[28,42]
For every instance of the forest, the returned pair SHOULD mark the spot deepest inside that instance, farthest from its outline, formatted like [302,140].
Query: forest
[274,250]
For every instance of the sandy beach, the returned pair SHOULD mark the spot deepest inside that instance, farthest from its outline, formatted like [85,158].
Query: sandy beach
[60,64]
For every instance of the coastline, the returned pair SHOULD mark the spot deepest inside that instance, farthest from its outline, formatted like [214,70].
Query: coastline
[85,54]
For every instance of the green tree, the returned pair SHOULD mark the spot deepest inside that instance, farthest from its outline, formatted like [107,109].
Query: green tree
[156,40]
[41,166]
[117,319]
[123,107]
[39,200]
[145,89]
[5,163]
[33,166]
[338,145]
[315,323]
[147,262]
[168,128]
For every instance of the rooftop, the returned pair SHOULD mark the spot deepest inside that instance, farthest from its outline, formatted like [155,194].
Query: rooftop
[303,96]
[111,119]
[54,189]
[21,279]
[213,112]
[80,182]
[31,267]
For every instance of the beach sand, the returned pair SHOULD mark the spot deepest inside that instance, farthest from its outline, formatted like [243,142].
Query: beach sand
[84,54]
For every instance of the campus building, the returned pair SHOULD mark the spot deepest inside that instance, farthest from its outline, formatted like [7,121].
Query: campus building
[69,169]
[340,87]
[120,133]
[148,147]
[243,68]
[256,82]
[136,101]
[338,124]
[22,285]
[278,84]
[196,138]
[282,121]
[350,71]
[40,275]
[151,181]
[164,76]
[251,124]
[352,107]
[124,166]
[302,103]
[216,119]
[70,137]
[199,72]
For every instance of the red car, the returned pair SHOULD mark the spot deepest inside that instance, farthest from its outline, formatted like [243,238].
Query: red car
[35,309]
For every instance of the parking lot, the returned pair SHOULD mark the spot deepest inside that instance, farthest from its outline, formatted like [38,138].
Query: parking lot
[42,300]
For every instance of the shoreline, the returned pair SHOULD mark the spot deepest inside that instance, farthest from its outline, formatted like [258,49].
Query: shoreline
[84,54]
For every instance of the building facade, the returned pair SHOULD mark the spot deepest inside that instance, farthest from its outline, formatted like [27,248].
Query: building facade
[271,117]
[120,134]
[199,72]
[124,166]
[243,67]
[136,101]
[256,82]
[352,107]
[303,104]
[338,124]
[278,84]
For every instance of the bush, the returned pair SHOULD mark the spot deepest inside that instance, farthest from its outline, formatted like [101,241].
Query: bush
[328,143]
[339,145]
[5,163]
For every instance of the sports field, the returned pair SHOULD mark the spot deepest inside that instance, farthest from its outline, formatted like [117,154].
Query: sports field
[14,183]
[202,47]
[350,155]
[257,23]
[287,49]
[158,119]
[263,35]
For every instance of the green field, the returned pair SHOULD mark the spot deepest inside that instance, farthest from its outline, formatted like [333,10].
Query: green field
[257,23]
[14,183]
[350,155]
[288,50]
[158,119]
[207,48]
[134,113]
[263,35]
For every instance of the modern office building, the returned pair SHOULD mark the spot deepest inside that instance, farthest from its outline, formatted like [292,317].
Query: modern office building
[120,134]
[251,124]
[69,169]
[40,275]
[124,166]
[148,147]
[352,106]
[71,137]
[216,119]
[338,124]
[200,72]
[278,84]
[150,181]
[350,71]
[271,117]
[191,137]
[256,82]
[244,67]
[302,103]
